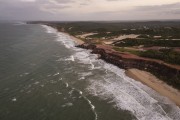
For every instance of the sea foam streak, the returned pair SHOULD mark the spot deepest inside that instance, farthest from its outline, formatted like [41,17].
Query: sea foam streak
[124,92]
[20,23]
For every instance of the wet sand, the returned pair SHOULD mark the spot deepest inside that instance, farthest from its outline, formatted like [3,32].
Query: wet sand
[156,84]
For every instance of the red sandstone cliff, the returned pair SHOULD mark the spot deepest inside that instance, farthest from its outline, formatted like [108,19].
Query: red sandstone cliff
[169,73]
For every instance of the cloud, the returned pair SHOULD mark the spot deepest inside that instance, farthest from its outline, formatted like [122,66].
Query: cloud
[114,0]
[87,9]
[156,12]
[164,9]
[55,6]
[32,9]
[63,1]
[28,0]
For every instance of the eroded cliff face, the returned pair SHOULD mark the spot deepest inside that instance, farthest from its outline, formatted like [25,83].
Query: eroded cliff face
[166,72]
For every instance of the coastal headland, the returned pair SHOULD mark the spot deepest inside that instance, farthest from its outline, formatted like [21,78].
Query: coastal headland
[151,59]
[128,62]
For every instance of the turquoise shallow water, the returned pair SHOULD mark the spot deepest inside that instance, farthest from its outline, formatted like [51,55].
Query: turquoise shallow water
[44,77]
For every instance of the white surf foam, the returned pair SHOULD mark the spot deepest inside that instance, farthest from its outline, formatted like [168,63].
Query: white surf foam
[67,105]
[71,58]
[56,74]
[84,74]
[36,83]
[19,23]
[65,39]
[128,95]
[67,85]
[93,108]
[60,37]
[90,103]
[92,65]
[49,29]
[14,99]
[59,93]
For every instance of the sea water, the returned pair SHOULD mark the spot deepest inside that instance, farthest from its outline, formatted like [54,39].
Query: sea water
[43,76]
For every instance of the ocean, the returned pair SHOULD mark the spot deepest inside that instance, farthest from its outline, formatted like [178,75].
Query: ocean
[43,76]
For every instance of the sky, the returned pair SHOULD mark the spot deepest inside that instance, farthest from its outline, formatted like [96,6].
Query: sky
[85,10]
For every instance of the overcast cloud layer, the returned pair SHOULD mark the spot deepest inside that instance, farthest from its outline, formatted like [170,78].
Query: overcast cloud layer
[89,9]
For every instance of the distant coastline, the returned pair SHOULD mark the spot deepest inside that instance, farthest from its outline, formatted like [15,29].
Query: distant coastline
[142,76]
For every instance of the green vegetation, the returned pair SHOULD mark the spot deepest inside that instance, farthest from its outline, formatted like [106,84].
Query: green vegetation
[122,49]
[166,29]
[167,55]
[147,43]
[172,80]
[144,36]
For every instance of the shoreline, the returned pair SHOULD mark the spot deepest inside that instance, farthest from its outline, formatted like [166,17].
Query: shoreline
[135,68]
[78,41]
[145,78]
[156,84]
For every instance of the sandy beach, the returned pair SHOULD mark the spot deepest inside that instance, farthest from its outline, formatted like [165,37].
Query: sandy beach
[78,41]
[156,84]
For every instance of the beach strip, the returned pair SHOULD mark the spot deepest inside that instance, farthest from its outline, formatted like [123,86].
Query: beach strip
[77,40]
[156,84]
